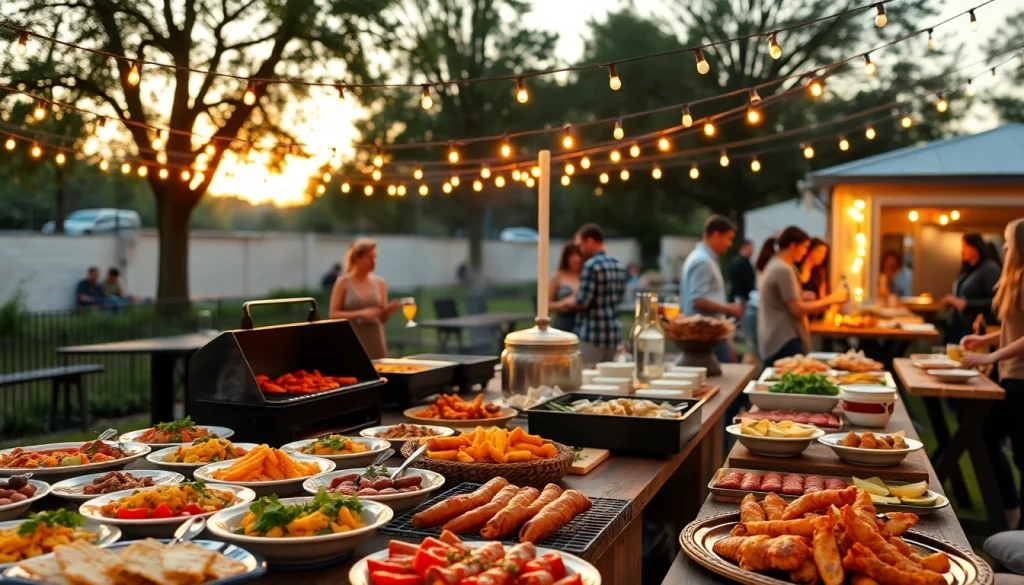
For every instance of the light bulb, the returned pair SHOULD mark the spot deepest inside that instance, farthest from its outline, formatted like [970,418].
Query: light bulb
[455,181]
[376,174]
[603,178]
[954,215]
[969,90]
[565,178]
[143,171]
[22,46]
[702,64]
[516,175]
[126,168]
[185,175]
[567,140]
[860,238]
[249,98]
[906,121]
[656,172]
[157,143]
[60,158]
[663,144]
[163,174]
[869,66]
[320,189]
[816,87]
[613,79]
[723,159]
[10,144]
[485,172]
[402,190]
[634,151]
[859,204]
[570,169]
[753,96]
[522,96]
[618,133]
[499,181]
[530,182]
[39,112]
[694,171]
[210,150]
[974,20]
[133,74]
[392,190]
[417,173]
[687,117]
[932,46]
[424,190]
[844,144]
[453,155]
[942,105]
[995,75]
[104,165]
[808,151]
[755,165]
[615,156]
[913,215]
[378,159]
[161,157]
[447,188]
[36,151]
[870,133]
[880,17]
[345,187]
[753,116]
[326,177]
[624,175]
[506,149]
[773,47]
[943,219]
[535,171]
[478,185]
[368,190]
[585,162]
[426,101]
[709,129]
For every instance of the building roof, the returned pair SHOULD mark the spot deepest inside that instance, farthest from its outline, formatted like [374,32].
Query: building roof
[996,155]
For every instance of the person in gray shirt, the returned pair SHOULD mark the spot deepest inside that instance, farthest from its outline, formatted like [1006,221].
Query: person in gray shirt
[701,286]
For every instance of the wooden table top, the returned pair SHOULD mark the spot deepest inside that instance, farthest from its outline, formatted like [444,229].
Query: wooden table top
[186,343]
[481,320]
[917,382]
[825,330]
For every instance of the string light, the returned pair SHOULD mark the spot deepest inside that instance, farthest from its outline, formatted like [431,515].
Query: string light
[634,151]
[567,139]
[941,104]
[618,133]
[943,219]
[624,175]
[906,121]
[424,190]
[585,162]
[185,175]
[320,189]
[326,177]
[447,188]
[210,150]
[603,178]
[615,156]
[995,75]
[530,182]
[10,144]
[709,129]
[368,190]
[39,112]
[104,165]
[570,169]
[249,98]
[755,165]
[687,117]
[664,144]
[506,149]
[425,100]
[22,46]
[392,190]
[844,144]
[516,175]
[134,77]
[453,154]
[773,47]
[455,181]
[59,159]
[143,170]
[860,204]
[522,96]
[126,168]
[417,173]
[613,79]
[954,215]
[870,133]
[932,46]
[499,181]
[565,179]
[694,171]
[478,185]
[376,174]
[974,20]
[345,187]
[163,174]
[535,171]
[753,116]
[880,18]
[723,159]
[401,190]
[485,172]
[969,90]
[656,172]
[869,66]
[913,215]
[161,157]
[36,152]
[702,64]
[341,92]
[157,143]
[816,87]
[753,96]
[808,151]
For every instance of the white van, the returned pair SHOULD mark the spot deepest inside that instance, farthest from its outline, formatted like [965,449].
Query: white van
[96,221]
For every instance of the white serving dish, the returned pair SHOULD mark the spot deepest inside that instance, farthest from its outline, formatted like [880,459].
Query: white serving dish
[655,394]
[869,457]
[683,387]
[159,460]
[623,384]
[359,574]
[615,370]
[589,375]
[693,377]
[15,509]
[955,375]
[377,446]
[156,527]
[281,487]
[773,446]
[600,389]
[303,549]
[71,489]
[702,372]
[868,405]
[397,502]
[768,373]
[107,535]
[396,444]
[54,474]
[221,432]
[940,363]
[812,403]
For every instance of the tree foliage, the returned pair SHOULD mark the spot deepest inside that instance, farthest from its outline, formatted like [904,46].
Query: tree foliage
[1008,104]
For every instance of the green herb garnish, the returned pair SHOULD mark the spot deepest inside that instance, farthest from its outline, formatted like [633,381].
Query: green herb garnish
[52,518]
[270,513]
[811,384]
[198,486]
[375,472]
[577,454]
[176,426]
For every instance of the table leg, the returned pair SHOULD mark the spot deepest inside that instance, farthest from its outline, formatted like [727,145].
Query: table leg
[977,413]
[942,438]
[161,387]
[621,563]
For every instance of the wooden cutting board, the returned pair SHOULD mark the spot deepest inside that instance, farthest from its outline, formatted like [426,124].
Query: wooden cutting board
[820,460]
[589,458]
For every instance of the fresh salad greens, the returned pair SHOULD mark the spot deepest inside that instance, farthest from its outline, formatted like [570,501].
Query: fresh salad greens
[176,426]
[52,518]
[270,513]
[815,384]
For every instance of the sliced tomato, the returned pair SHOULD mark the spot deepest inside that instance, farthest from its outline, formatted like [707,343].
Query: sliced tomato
[375,566]
[537,577]
[397,547]
[555,565]
[192,510]
[133,514]
[426,558]
[401,559]
[386,578]
[161,511]
[431,543]
[571,580]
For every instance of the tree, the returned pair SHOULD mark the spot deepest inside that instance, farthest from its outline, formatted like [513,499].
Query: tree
[1008,104]
[256,38]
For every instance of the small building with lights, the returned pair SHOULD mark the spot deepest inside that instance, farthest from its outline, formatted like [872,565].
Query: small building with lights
[919,201]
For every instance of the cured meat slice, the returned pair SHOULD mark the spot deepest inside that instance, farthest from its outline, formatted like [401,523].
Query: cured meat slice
[730,481]
[751,482]
[793,485]
[772,482]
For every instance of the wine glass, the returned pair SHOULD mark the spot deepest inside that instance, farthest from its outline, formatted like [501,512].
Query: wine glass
[409,310]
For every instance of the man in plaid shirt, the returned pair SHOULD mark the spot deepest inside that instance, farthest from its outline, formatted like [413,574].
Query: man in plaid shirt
[602,286]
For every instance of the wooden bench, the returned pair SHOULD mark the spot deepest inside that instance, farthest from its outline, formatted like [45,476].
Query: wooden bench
[62,378]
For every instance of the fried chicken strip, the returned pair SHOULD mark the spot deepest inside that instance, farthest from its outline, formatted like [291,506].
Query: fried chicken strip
[862,580]
[818,501]
[826,552]
[863,503]
[938,562]
[764,553]
[773,506]
[862,560]
[896,523]
[807,574]
[861,528]
[800,527]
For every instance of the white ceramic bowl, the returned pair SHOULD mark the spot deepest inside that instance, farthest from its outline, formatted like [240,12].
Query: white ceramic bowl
[774,446]
[54,474]
[359,574]
[159,460]
[397,444]
[281,487]
[507,414]
[869,457]
[303,549]
[868,405]
[615,370]
[398,502]
[106,535]
[13,510]
[158,527]
[812,403]
[221,432]
[943,363]
[955,375]
[71,489]
[376,447]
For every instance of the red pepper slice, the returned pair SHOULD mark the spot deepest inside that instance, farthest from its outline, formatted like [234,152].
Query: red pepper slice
[426,558]
[132,514]
[191,510]
[376,566]
[431,543]
[161,511]
[386,578]
[397,547]
[571,580]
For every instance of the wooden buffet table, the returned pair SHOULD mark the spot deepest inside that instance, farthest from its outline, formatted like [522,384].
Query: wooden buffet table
[843,331]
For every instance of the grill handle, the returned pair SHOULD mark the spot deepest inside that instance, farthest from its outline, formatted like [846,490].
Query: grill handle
[314,314]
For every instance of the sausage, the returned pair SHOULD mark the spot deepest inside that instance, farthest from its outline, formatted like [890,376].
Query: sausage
[554,516]
[512,516]
[382,483]
[347,478]
[813,483]
[367,492]
[473,520]
[772,482]
[793,485]
[835,483]
[730,481]
[549,494]
[408,481]
[386,491]
[751,482]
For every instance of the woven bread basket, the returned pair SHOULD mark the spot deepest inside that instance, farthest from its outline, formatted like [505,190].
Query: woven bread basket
[536,473]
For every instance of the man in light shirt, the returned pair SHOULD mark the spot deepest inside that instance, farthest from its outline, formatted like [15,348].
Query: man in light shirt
[701,285]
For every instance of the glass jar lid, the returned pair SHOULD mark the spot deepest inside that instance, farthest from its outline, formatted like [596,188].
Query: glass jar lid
[541,335]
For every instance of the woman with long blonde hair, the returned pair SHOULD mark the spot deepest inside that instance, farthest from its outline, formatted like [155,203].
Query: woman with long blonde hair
[1008,305]
[362,297]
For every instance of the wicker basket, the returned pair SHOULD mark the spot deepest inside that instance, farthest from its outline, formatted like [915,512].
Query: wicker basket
[536,473]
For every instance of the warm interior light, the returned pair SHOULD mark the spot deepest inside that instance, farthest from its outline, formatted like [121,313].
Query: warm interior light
[913,215]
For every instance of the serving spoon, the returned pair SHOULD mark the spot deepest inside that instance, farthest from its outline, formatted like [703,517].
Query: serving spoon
[401,468]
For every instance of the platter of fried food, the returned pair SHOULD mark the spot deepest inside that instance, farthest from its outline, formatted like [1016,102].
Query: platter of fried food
[855,361]
[862,379]
[832,537]
[42,532]
[799,364]
[493,445]
[873,449]
[450,410]
[153,562]
[266,471]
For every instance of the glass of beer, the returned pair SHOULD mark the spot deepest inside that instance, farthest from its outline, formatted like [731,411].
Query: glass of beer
[408,310]
[954,352]
[670,307]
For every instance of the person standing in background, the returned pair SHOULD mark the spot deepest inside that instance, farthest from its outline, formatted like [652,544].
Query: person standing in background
[814,271]
[973,290]
[741,274]
[602,286]
[362,297]
[563,286]
[701,286]
[330,277]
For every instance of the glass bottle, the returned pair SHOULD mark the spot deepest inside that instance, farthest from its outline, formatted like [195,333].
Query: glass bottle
[648,339]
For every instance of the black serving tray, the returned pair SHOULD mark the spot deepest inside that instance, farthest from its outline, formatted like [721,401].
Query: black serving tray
[628,434]
[405,389]
[470,370]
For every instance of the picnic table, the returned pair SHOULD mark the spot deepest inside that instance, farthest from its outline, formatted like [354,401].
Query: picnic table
[164,354]
[452,327]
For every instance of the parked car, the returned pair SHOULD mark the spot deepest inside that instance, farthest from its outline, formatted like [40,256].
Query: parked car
[522,235]
[96,221]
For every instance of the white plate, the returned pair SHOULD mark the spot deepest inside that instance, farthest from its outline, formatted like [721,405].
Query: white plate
[221,432]
[302,549]
[917,327]
[869,457]
[396,444]
[11,511]
[943,363]
[159,460]
[774,446]
[397,502]
[53,474]
[156,527]
[107,535]
[281,487]
[71,489]
[823,356]
[377,446]
[954,375]
[811,403]
[506,415]
[359,574]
